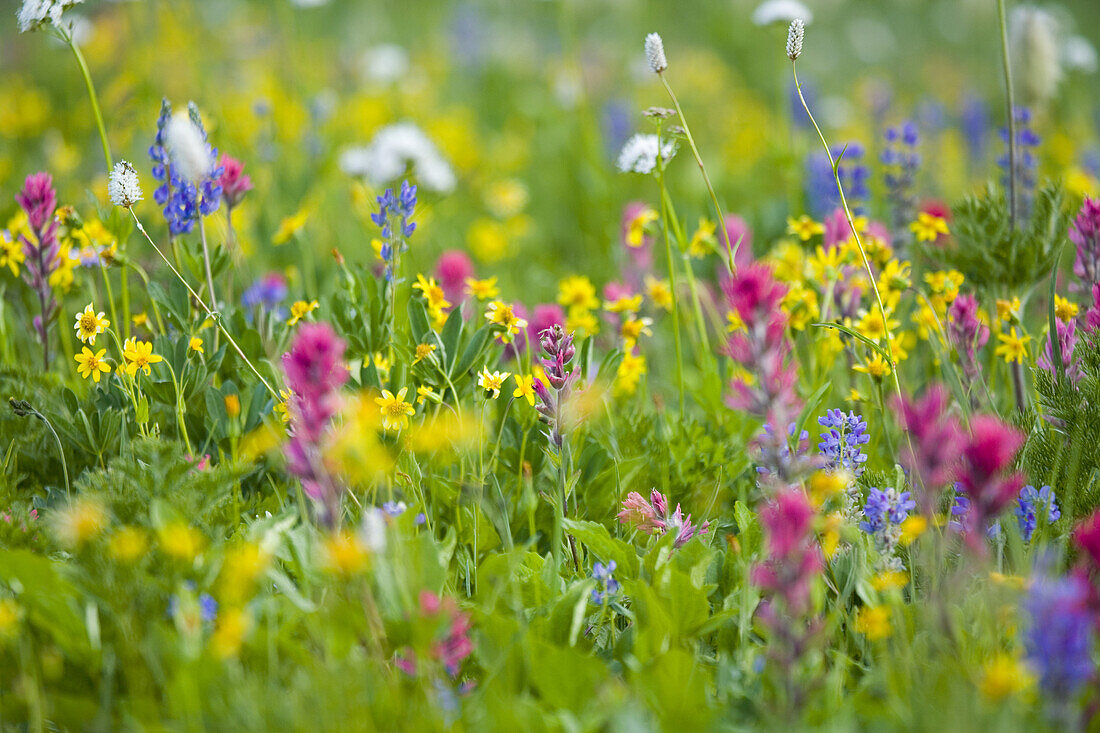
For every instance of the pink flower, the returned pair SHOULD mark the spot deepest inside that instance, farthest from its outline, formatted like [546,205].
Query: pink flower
[452,268]
[738,229]
[38,199]
[793,557]
[640,514]
[1087,537]
[934,446]
[234,181]
[653,517]
[1085,234]
[987,459]
[545,315]
[967,333]
[837,230]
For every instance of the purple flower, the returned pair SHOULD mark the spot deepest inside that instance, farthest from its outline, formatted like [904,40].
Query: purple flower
[885,508]
[394,216]
[1030,504]
[967,333]
[901,162]
[557,347]
[1059,639]
[606,585]
[932,453]
[793,557]
[842,439]
[267,292]
[183,201]
[39,200]
[1067,341]
[653,517]
[1023,174]
[1085,233]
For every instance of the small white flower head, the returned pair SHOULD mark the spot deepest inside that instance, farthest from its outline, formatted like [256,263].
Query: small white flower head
[639,154]
[393,150]
[781,11]
[123,186]
[655,53]
[372,533]
[35,13]
[795,34]
[1035,54]
[191,156]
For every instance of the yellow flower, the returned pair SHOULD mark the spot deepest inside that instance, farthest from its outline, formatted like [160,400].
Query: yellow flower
[488,239]
[395,410]
[830,536]
[227,639]
[290,226]
[90,324]
[181,541]
[281,408]
[80,522]
[432,292]
[11,253]
[876,367]
[381,363]
[501,314]
[928,227]
[344,554]
[1004,676]
[300,309]
[874,622]
[703,240]
[659,292]
[734,322]
[629,373]
[895,276]
[945,283]
[890,580]
[491,381]
[525,387]
[870,324]
[92,365]
[141,320]
[232,405]
[634,328]
[912,527]
[636,227]
[377,245]
[195,344]
[826,484]
[578,292]
[139,355]
[800,305]
[423,351]
[482,289]
[128,544]
[1008,310]
[1013,347]
[424,392]
[804,227]
[582,320]
[625,304]
[506,198]
[1064,309]
[825,264]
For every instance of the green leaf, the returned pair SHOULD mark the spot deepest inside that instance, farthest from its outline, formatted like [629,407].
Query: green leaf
[452,332]
[600,543]
[418,320]
[472,352]
[859,337]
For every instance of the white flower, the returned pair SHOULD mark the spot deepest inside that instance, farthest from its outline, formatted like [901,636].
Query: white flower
[1080,55]
[123,186]
[655,53]
[191,156]
[639,154]
[372,533]
[385,64]
[34,13]
[786,11]
[390,154]
[1034,34]
[795,35]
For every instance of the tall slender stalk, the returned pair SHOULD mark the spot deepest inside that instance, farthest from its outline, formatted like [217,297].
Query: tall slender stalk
[672,288]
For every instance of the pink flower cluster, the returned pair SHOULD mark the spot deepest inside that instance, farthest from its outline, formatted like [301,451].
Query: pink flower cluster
[794,558]
[234,181]
[967,333]
[652,517]
[315,372]
[39,200]
[1085,233]
[454,645]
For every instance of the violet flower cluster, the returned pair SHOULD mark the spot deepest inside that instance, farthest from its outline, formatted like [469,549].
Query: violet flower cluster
[901,162]
[842,441]
[1085,235]
[557,347]
[1067,342]
[40,251]
[606,585]
[653,518]
[183,200]
[883,513]
[1059,641]
[315,372]
[967,333]
[394,218]
[1024,173]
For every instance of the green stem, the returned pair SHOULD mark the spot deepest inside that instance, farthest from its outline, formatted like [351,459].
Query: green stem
[180,411]
[67,37]
[672,289]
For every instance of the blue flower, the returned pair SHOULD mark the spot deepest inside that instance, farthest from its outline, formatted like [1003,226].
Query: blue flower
[901,162]
[1024,173]
[393,217]
[1059,639]
[182,201]
[1030,504]
[606,585]
[842,439]
[885,508]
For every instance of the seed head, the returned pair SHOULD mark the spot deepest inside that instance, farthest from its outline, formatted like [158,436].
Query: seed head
[655,53]
[123,186]
[794,39]
[191,156]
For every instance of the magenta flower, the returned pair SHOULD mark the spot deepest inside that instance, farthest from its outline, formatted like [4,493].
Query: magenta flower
[544,316]
[653,518]
[837,230]
[932,452]
[1085,233]
[738,229]
[234,181]
[315,372]
[793,558]
[452,268]
[1067,341]
[41,251]
[967,333]
[985,472]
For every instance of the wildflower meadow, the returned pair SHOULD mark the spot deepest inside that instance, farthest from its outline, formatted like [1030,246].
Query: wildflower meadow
[566,365]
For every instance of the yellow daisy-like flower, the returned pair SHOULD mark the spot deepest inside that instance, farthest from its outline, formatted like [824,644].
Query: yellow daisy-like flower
[395,410]
[432,292]
[870,324]
[501,314]
[804,227]
[381,362]
[703,240]
[290,226]
[874,622]
[800,305]
[1013,348]
[583,321]
[424,393]
[423,351]
[281,407]
[928,227]
[876,367]
[1064,310]
[634,328]
[890,580]
[525,388]
[11,253]
[195,344]
[140,320]
[92,364]
[659,292]
[299,310]
[577,291]
[894,276]
[912,527]
[945,283]
[625,304]
[492,381]
[139,355]
[825,264]
[1008,310]
[482,289]
[1004,676]
[635,228]
[90,324]
[629,373]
